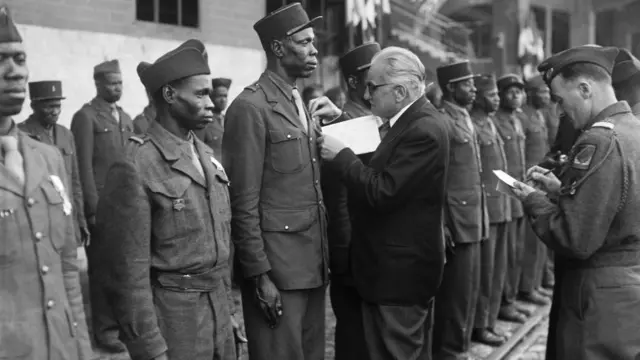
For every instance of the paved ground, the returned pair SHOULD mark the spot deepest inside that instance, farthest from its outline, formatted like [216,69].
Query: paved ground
[534,347]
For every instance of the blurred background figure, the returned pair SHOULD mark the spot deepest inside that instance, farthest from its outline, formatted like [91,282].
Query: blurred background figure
[337,96]
[434,95]
[311,92]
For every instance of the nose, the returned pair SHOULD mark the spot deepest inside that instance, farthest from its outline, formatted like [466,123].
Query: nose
[208,104]
[313,51]
[367,94]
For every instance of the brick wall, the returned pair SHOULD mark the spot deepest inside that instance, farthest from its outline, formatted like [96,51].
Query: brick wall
[64,39]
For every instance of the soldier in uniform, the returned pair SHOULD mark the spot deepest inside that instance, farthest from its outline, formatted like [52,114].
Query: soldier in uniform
[467,220]
[101,129]
[626,80]
[588,216]
[509,126]
[349,336]
[143,120]
[279,220]
[164,225]
[434,95]
[212,134]
[41,308]
[42,125]
[493,263]
[534,258]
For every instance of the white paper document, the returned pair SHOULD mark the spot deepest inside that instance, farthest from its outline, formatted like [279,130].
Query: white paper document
[506,183]
[360,134]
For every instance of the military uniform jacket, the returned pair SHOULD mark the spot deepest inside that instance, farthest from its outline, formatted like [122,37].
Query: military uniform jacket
[212,134]
[510,129]
[100,139]
[591,225]
[536,144]
[142,122]
[493,158]
[336,201]
[279,218]
[41,308]
[163,226]
[64,141]
[467,217]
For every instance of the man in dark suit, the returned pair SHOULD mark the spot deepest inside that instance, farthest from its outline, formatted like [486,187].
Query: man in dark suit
[467,216]
[46,101]
[396,208]
[164,224]
[101,129]
[279,220]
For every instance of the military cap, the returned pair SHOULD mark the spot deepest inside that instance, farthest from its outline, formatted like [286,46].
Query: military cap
[590,54]
[451,73]
[508,80]
[188,59]
[107,67]
[142,66]
[358,58]
[8,30]
[536,83]
[283,22]
[224,82]
[485,82]
[626,66]
[45,90]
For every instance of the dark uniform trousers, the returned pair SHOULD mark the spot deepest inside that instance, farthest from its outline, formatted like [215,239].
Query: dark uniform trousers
[347,307]
[511,131]
[534,257]
[279,217]
[468,223]
[100,139]
[592,229]
[493,263]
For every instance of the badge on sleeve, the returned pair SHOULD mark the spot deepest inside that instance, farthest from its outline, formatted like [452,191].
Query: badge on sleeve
[584,155]
[59,186]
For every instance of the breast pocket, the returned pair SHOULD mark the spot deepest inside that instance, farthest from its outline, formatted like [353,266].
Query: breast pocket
[286,151]
[462,148]
[174,213]
[58,220]
[221,194]
[10,213]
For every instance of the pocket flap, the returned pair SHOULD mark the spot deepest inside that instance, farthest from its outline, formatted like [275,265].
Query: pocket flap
[174,187]
[67,151]
[101,130]
[463,198]
[222,177]
[281,136]
[52,195]
[288,220]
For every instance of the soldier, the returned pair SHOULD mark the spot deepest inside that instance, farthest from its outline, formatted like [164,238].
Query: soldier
[143,120]
[41,308]
[212,134]
[493,264]
[588,216]
[164,224]
[534,258]
[467,220]
[345,300]
[434,95]
[279,219]
[626,80]
[510,128]
[101,129]
[42,125]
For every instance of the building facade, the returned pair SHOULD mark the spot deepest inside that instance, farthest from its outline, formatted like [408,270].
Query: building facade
[64,39]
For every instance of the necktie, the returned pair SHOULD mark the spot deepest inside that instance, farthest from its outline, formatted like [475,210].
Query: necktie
[12,157]
[115,113]
[384,129]
[302,115]
[468,121]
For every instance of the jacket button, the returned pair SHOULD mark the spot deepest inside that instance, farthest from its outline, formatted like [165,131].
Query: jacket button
[45,269]
[38,235]
[313,160]
[75,324]
[30,202]
[310,139]
[122,130]
[466,141]
[286,227]
[320,202]
[490,142]
[50,304]
[464,203]
[317,182]
[288,136]
[508,137]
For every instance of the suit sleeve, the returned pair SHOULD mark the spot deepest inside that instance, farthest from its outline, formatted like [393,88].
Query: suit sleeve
[576,224]
[71,278]
[124,223]
[82,128]
[76,185]
[415,158]
[244,144]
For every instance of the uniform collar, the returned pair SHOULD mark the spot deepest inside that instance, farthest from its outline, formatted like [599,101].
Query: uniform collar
[171,146]
[280,83]
[102,104]
[609,111]
[479,116]
[457,109]
[395,117]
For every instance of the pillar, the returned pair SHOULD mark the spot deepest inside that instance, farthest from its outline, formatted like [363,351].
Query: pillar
[582,23]
[505,24]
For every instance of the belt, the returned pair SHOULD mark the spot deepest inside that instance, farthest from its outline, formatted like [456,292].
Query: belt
[201,282]
[609,259]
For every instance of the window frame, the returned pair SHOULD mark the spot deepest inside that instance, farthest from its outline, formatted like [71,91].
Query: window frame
[179,15]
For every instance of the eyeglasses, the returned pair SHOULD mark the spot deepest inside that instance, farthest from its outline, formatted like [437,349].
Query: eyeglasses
[371,87]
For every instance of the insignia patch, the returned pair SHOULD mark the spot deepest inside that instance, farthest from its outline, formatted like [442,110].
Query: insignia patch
[178,204]
[583,157]
[217,164]
[59,186]
[603,124]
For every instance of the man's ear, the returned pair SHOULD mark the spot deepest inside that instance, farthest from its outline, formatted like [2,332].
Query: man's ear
[586,91]
[352,82]
[277,48]
[450,88]
[169,94]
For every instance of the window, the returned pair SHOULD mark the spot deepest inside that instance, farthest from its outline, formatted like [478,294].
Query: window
[172,12]
[561,30]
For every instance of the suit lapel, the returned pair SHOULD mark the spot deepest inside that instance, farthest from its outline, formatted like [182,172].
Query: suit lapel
[185,166]
[35,167]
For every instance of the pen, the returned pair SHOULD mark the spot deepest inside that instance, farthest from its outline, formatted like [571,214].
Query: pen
[543,174]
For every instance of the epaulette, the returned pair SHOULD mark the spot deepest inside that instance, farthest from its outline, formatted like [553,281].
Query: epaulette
[253,87]
[139,140]
[603,124]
